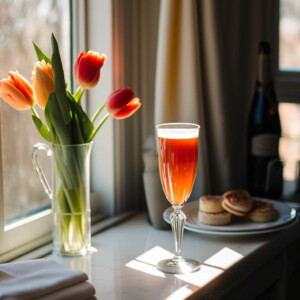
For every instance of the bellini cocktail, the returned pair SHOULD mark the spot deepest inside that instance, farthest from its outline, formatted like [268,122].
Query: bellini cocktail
[178,159]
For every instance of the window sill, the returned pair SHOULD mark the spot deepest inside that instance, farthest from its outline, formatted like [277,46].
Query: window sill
[100,223]
[124,266]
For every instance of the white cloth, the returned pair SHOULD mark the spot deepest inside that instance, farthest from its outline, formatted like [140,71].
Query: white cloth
[43,279]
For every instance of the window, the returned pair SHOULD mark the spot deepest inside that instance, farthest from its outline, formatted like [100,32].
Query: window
[288,85]
[22,191]
[23,202]
[113,192]
[289,35]
[287,51]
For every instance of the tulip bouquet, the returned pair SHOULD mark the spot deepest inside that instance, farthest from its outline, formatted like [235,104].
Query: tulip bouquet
[70,131]
[66,120]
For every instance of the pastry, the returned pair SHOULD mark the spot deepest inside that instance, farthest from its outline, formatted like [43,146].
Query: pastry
[220,218]
[211,211]
[262,211]
[211,204]
[237,202]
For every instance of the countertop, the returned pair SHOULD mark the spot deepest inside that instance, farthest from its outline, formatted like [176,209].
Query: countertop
[123,266]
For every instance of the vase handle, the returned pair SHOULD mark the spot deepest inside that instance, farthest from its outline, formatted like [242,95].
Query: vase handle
[37,166]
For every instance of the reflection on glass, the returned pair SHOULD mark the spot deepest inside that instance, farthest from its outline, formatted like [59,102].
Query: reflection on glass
[82,263]
[201,278]
[21,22]
[179,290]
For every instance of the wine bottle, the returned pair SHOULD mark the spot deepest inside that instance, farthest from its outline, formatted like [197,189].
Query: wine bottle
[264,131]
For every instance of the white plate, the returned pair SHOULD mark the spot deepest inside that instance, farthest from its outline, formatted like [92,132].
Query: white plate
[238,225]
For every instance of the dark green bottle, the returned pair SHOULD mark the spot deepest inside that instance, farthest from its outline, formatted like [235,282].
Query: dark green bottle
[264,131]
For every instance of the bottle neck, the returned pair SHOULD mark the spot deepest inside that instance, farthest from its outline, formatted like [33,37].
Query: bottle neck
[264,76]
[264,82]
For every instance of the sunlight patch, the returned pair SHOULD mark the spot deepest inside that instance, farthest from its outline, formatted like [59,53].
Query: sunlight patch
[147,261]
[201,277]
[154,255]
[143,267]
[224,258]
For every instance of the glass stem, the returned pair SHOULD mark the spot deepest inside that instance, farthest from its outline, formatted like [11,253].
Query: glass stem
[178,219]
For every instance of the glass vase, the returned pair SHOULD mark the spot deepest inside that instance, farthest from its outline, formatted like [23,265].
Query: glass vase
[70,195]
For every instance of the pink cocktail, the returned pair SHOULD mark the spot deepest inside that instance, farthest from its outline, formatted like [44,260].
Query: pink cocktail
[178,159]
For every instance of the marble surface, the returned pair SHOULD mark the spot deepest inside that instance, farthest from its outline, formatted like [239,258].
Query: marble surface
[124,265]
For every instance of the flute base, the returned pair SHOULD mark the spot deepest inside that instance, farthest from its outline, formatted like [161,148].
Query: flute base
[178,265]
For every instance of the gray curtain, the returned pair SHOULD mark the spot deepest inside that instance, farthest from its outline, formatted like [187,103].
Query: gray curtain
[223,47]
[230,31]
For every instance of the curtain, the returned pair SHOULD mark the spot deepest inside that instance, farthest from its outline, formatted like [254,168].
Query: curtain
[178,84]
[205,73]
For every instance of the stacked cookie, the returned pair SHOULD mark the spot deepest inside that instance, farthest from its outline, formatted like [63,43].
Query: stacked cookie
[262,211]
[211,211]
[217,210]
[237,202]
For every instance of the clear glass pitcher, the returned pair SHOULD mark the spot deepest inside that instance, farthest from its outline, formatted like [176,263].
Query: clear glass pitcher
[70,195]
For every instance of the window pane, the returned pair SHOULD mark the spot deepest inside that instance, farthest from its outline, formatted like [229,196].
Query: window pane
[289,146]
[22,21]
[289,35]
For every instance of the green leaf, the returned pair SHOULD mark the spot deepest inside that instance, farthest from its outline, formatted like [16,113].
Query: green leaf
[76,131]
[54,138]
[62,130]
[78,95]
[40,54]
[86,127]
[42,128]
[60,85]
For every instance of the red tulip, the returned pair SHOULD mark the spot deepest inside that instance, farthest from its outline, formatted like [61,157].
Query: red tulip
[87,69]
[17,91]
[122,104]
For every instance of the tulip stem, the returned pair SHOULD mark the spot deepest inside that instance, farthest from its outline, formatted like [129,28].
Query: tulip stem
[98,112]
[98,127]
[78,94]
[34,112]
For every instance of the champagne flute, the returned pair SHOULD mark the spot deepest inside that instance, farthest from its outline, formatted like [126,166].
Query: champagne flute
[178,159]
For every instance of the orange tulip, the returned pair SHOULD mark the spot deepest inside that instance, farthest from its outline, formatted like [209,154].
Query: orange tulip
[87,69]
[121,103]
[17,91]
[43,82]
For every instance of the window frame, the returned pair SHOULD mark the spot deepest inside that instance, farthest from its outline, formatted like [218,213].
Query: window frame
[117,148]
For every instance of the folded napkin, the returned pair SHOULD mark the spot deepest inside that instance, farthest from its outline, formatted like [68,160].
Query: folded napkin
[43,279]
